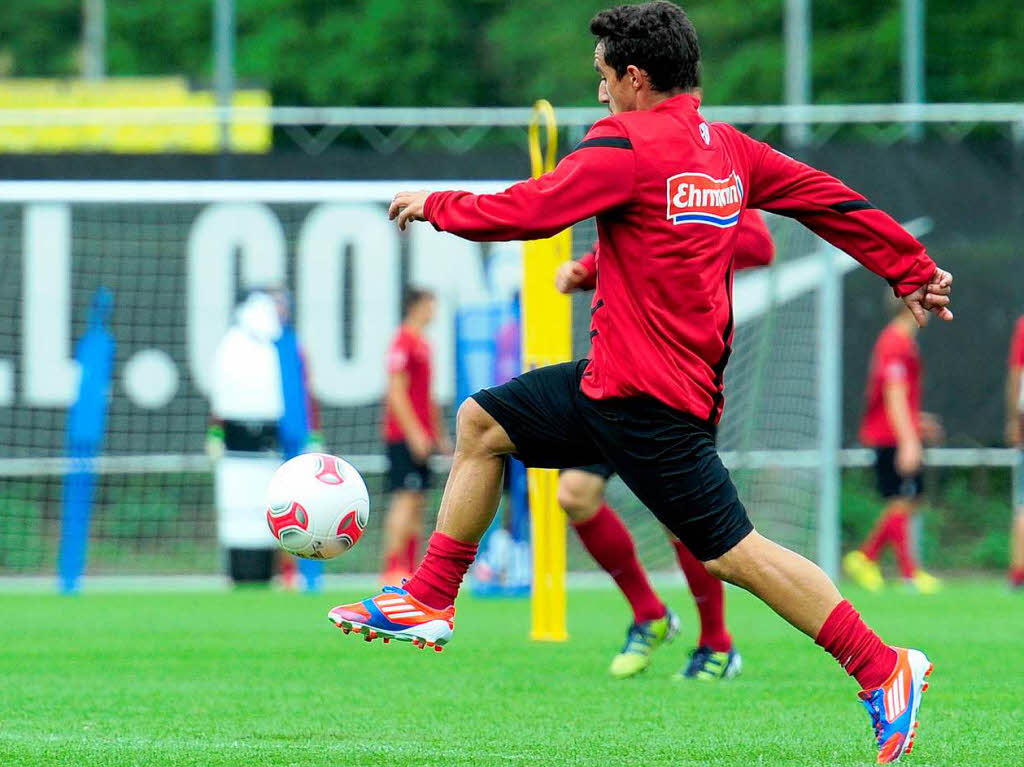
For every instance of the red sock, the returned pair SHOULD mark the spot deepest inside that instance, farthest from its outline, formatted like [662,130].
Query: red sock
[436,581]
[885,531]
[709,596]
[1017,576]
[901,542]
[288,570]
[858,649]
[412,553]
[393,561]
[610,544]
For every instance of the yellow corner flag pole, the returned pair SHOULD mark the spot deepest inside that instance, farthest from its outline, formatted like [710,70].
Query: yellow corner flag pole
[547,339]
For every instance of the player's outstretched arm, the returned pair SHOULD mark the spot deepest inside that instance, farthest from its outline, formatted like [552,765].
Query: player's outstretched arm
[594,178]
[846,219]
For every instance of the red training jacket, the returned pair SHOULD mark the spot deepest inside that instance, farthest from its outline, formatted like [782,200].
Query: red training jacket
[668,189]
[754,247]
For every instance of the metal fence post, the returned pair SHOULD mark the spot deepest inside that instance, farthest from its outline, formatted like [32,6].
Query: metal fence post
[94,39]
[797,32]
[830,343]
[913,56]
[224,65]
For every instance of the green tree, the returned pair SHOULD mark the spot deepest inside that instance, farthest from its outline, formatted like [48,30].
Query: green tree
[491,52]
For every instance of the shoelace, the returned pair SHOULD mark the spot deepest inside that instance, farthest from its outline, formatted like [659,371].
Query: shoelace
[637,634]
[699,657]
[876,716]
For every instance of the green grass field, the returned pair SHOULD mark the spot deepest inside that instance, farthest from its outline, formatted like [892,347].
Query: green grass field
[261,678]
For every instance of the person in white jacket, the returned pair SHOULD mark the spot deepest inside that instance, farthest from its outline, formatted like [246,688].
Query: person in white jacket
[247,404]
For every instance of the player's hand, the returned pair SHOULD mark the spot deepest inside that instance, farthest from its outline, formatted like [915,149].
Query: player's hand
[408,206]
[570,276]
[932,431]
[933,296]
[421,446]
[908,458]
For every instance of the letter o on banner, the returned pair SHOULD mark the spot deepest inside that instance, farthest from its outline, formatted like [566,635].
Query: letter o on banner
[330,234]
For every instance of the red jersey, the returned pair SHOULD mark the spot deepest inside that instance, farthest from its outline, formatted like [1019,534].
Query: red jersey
[1017,346]
[1017,359]
[409,353]
[894,359]
[668,190]
[754,247]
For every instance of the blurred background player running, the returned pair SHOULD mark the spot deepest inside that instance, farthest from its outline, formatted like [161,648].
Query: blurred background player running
[412,431]
[1015,438]
[895,427]
[581,493]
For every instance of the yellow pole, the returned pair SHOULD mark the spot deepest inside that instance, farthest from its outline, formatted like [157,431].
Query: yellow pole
[547,339]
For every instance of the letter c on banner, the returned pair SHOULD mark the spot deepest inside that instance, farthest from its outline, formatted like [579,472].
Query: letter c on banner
[218,233]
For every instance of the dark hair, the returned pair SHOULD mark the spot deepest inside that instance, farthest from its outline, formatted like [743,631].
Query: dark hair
[655,37]
[412,296]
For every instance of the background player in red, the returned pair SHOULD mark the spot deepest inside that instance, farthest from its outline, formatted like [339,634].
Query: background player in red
[412,432]
[667,189]
[895,427]
[1015,438]
[603,534]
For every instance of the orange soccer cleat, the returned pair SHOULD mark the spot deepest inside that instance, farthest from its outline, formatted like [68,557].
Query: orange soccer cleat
[396,614]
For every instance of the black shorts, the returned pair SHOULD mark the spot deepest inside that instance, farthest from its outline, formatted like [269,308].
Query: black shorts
[892,484]
[602,470]
[405,472]
[666,457]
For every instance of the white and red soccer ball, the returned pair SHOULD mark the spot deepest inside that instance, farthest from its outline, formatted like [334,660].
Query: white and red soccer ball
[317,506]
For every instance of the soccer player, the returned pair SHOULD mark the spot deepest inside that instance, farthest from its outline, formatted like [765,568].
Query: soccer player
[894,426]
[605,537]
[667,189]
[1015,438]
[412,431]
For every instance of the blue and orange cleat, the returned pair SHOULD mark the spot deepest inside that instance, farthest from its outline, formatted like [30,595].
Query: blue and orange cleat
[893,706]
[396,614]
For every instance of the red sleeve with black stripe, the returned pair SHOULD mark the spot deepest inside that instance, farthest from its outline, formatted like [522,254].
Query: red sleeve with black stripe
[754,244]
[836,213]
[588,181]
[589,262]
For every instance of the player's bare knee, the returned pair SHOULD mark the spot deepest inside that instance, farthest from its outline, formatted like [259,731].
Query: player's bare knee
[580,494]
[578,507]
[478,433]
[739,564]
[719,568]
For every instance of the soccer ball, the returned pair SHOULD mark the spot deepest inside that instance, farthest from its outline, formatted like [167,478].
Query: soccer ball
[317,506]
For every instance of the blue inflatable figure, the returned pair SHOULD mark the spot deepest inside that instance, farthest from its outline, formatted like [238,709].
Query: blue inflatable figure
[294,427]
[85,428]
